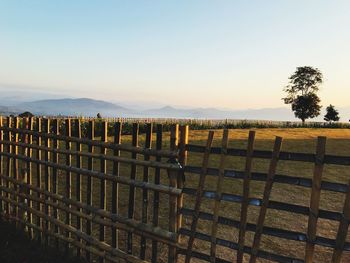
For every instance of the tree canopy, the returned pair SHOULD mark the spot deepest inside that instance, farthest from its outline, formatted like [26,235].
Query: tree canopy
[302,92]
[332,114]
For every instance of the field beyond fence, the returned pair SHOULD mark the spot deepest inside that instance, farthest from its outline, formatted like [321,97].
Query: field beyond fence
[166,193]
[205,124]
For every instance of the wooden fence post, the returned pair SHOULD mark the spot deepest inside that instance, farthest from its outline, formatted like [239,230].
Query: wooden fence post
[181,179]
[56,131]
[315,198]
[2,203]
[103,169]
[266,198]
[173,176]
[78,182]
[68,190]
[47,177]
[22,175]
[218,195]
[135,133]
[115,186]
[39,221]
[159,140]
[199,196]
[15,162]
[245,201]
[148,145]
[342,229]
[91,136]
[29,177]
[8,165]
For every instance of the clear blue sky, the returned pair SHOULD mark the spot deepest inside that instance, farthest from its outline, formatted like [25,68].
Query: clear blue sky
[232,54]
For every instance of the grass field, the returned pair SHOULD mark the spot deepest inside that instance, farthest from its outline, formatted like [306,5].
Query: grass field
[295,140]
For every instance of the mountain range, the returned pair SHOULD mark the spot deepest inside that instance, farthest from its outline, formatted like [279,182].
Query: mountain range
[90,107]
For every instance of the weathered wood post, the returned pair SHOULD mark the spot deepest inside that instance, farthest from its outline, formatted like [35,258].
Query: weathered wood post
[173,175]
[181,178]
[115,185]
[2,204]
[15,162]
[173,180]
[78,180]
[22,175]
[29,178]
[315,198]
[145,195]
[22,190]
[199,196]
[155,220]
[47,179]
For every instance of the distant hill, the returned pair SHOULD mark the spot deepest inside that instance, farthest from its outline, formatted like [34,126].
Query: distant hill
[90,107]
[75,107]
[9,110]
[212,113]
[275,114]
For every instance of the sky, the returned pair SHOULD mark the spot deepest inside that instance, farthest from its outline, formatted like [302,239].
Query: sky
[223,54]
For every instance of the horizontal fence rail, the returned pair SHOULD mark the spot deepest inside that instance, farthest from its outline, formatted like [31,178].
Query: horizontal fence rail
[285,156]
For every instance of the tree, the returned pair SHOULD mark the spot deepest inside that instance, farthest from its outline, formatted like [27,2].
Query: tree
[306,106]
[332,114]
[302,92]
[26,114]
[99,116]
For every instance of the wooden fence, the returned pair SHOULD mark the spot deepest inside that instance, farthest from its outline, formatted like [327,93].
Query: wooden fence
[85,196]
[313,212]
[67,190]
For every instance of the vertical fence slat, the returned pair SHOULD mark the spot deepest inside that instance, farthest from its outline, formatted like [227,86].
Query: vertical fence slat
[155,219]
[131,208]
[148,145]
[315,198]
[342,229]
[15,161]
[78,182]
[115,186]
[8,164]
[218,195]
[46,175]
[173,175]
[245,201]
[2,203]
[68,191]
[103,168]
[199,196]
[184,130]
[22,173]
[30,171]
[54,156]
[266,198]
[39,221]
[89,188]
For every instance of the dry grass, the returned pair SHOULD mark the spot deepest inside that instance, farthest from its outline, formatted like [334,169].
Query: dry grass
[294,140]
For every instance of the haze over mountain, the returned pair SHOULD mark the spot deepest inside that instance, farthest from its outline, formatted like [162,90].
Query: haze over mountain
[75,107]
[90,107]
